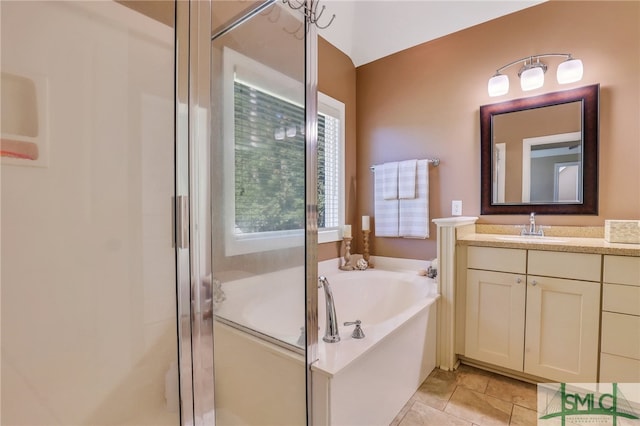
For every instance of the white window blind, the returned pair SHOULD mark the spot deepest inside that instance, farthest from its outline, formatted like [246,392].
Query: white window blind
[331,210]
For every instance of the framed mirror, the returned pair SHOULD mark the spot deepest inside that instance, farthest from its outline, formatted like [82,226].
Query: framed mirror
[540,154]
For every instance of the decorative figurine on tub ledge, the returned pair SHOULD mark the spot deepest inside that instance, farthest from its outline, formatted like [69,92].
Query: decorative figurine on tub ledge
[362,264]
[346,240]
[366,230]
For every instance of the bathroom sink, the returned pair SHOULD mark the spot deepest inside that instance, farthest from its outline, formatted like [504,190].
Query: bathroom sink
[531,239]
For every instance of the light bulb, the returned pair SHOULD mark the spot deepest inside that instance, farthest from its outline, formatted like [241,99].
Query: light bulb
[532,78]
[498,85]
[570,71]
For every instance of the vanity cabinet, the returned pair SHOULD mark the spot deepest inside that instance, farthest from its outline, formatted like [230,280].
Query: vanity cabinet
[495,312]
[534,311]
[563,316]
[620,351]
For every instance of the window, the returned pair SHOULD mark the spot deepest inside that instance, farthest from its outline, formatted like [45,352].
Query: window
[330,168]
[264,160]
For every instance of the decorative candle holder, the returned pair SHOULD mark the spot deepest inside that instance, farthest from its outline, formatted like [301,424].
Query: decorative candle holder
[365,249]
[347,266]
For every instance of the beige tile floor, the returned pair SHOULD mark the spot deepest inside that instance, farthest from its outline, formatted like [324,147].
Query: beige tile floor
[469,397]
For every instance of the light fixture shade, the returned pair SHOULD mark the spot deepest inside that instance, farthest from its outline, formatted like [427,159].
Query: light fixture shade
[498,85]
[570,71]
[532,78]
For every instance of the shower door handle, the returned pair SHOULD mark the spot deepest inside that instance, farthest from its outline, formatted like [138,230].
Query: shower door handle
[182,221]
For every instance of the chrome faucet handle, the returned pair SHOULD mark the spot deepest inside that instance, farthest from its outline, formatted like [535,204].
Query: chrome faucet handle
[321,280]
[302,340]
[357,332]
[432,272]
[523,229]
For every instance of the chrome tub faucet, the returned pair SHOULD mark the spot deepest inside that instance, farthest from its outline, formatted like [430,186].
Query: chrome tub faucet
[331,334]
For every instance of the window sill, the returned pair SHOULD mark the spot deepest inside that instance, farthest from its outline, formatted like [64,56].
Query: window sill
[328,236]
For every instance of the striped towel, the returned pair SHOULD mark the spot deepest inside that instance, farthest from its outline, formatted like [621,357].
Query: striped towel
[390,181]
[386,211]
[407,179]
[414,214]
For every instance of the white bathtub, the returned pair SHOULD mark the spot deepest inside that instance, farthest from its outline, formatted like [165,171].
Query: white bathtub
[355,381]
[367,381]
[382,300]
[271,305]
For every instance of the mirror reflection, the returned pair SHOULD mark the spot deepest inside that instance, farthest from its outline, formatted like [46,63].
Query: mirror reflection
[538,155]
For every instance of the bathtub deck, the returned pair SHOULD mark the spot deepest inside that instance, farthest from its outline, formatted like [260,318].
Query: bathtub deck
[469,396]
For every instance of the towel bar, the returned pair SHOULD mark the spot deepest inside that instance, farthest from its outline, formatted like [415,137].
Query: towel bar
[434,161]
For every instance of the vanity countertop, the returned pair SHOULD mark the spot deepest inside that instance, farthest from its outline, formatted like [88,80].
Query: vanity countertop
[567,244]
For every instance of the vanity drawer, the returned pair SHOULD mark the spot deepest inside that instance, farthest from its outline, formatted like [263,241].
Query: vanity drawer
[618,369]
[624,299]
[622,270]
[621,335]
[577,266]
[497,259]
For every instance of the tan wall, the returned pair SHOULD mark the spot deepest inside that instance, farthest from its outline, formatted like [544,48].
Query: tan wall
[337,78]
[424,102]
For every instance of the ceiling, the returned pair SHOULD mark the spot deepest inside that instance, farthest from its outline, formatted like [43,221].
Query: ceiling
[367,30]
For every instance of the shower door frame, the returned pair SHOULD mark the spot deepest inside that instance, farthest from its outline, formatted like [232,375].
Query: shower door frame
[311,205]
[193,210]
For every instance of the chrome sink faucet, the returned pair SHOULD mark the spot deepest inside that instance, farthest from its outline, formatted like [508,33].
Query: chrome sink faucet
[532,227]
[331,334]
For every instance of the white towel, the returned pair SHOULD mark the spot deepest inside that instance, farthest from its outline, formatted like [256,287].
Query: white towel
[414,214]
[386,211]
[407,179]
[390,181]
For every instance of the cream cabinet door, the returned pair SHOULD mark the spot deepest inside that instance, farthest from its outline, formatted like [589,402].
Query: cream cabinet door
[562,327]
[495,318]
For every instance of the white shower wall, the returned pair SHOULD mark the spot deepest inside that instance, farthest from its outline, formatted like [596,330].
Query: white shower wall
[88,298]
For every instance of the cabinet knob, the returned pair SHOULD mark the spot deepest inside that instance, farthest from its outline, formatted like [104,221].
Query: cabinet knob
[518,280]
[534,282]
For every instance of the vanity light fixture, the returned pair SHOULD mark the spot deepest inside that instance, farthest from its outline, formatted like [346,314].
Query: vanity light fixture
[532,71]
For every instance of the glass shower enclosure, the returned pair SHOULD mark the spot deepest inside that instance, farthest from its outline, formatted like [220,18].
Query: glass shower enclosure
[263,218]
[159,224]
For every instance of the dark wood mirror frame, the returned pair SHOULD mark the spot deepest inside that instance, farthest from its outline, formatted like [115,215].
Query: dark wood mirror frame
[589,96]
